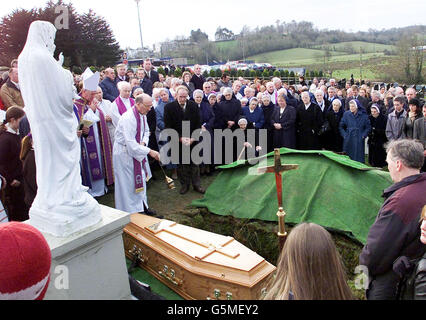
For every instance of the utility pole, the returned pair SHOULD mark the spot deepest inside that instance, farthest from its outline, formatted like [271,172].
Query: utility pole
[360,63]
[140,26]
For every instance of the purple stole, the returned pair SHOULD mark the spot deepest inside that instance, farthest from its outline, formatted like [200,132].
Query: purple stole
[91,147]
[84,166]
[106,149]
[120,104]
[137,166]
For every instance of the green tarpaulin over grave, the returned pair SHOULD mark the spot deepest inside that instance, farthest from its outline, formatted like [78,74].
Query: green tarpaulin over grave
[328,189]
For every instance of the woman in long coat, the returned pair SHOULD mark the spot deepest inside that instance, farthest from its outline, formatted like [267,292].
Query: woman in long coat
[354,128]
[284,123]
[333,139]
[377,138]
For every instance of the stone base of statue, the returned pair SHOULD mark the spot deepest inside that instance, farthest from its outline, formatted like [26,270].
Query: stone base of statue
[63,221]
[90,264]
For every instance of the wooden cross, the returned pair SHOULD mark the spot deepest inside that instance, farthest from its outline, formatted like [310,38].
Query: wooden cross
[278,169]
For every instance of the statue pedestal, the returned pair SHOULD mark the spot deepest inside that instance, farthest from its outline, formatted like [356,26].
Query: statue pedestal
[90,265]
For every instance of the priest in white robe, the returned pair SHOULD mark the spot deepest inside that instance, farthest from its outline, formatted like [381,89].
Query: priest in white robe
[130,151]
[123,102]
[106,107]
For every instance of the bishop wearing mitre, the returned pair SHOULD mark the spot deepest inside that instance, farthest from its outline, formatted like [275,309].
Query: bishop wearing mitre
[96,156]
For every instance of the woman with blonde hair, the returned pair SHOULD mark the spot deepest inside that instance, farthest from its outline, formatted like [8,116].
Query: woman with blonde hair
[309,268]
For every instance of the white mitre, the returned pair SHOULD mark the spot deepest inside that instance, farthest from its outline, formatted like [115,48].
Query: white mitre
[90,80]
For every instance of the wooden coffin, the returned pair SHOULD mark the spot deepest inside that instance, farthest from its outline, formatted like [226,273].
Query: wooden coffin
[194,263]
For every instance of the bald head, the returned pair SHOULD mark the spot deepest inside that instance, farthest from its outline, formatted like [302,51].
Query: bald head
[410,93]
[109,73]
[143,103]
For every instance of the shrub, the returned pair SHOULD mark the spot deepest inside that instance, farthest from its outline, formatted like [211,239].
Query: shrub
[265,73]
[247,73]
[252,74]
[205,74]
[212,73]
[178,72]
[161,70]
[218,73]
[277,73]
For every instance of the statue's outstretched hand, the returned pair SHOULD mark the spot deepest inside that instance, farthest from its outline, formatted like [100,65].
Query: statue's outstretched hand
[61,59]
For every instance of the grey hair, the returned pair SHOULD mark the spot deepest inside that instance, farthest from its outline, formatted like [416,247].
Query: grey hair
[176,81]
[319,91]
[122,84]
[197,92]
[137,90]
[409,152]
[164,89]
[282,91]
[227,90]
[375,93]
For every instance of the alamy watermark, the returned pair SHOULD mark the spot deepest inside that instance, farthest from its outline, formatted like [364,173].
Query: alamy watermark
[62,21]
[216,147]
[61,277]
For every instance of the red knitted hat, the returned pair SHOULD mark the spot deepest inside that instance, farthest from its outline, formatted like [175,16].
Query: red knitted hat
[25,261]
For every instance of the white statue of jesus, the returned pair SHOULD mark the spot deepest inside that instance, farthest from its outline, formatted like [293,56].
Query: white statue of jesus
[62,205]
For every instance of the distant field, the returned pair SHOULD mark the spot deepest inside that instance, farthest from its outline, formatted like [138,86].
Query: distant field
[226,45]
[346,74]
[301,57]
[367,47]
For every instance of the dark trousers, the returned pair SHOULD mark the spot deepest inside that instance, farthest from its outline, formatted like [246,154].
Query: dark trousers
[16,208]
[188,173]
[383,287]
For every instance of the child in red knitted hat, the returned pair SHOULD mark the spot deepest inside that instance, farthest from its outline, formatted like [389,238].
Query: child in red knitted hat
[25,261]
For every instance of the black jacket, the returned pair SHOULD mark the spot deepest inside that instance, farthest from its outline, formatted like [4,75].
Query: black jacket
[174,117]
[153,76]
[395,233]
[198,81]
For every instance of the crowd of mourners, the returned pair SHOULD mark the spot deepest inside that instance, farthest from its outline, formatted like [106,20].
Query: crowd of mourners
[309,115]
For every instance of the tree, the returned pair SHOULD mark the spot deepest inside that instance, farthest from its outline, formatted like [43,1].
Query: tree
[101,48]
[14,30]
[88,40]
[198,36]
[223,34]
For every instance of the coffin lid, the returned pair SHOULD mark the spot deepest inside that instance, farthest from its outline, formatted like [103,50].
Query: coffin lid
[199,244]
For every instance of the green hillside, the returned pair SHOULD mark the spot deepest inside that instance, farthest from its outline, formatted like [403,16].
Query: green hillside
[301,57]
[367,47]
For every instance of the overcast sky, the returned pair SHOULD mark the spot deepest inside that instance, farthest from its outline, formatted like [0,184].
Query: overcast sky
[166,19]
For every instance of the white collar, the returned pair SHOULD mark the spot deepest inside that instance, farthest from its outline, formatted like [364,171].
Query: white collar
[307,106]
[16,84]
[10,130]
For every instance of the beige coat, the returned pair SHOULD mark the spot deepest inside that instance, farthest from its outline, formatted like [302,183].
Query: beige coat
[10,95]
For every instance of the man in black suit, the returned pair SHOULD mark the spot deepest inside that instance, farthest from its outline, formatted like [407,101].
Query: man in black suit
[198,79]
[150,73]
[121,73]
[355,95]
[175,113]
